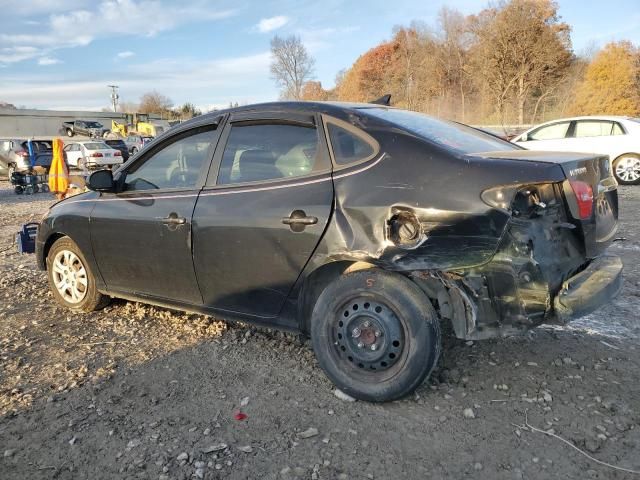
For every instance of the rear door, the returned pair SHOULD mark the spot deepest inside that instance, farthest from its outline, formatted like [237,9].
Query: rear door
[141,237]
[262,212]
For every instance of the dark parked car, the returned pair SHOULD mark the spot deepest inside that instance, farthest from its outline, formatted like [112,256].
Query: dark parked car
[361,225]
[85,127]
[119,144]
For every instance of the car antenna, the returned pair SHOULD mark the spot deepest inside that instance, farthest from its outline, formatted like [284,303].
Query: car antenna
[384,100]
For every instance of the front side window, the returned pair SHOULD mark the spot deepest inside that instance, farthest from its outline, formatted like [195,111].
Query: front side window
[593,128]
[177,165]
[268,152]
[550,132]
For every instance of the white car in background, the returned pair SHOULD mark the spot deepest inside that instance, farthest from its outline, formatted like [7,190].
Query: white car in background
[91,154]
[618,137]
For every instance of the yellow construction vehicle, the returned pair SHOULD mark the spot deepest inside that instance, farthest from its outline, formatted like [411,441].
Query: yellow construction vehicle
[140,124]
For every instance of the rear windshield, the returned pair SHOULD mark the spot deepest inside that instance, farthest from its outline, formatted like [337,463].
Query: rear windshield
[96,146]
[450,135]
[38,145]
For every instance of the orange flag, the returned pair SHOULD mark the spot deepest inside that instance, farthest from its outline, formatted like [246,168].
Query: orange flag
[58,173]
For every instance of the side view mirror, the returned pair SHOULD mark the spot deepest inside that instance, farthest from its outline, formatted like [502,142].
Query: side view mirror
[101,181]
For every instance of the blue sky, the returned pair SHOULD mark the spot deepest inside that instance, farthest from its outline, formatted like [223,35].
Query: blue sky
[62,55]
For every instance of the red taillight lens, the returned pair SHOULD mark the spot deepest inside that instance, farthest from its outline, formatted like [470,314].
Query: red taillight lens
[98,154]
[584,195]
[23,154]
[118,153]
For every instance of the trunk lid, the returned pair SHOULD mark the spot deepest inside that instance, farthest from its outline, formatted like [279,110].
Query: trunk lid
[590,192]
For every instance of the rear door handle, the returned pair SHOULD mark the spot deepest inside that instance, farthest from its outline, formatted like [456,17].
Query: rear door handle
[298,220]
[174,219]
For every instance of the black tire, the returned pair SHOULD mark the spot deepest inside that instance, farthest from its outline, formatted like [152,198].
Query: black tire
[626,169]
[406,335]
[92,299]
[29,190]
[69,132]
[18,189]
[134,150]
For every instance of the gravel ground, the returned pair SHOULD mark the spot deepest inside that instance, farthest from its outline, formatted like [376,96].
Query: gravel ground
[135,391]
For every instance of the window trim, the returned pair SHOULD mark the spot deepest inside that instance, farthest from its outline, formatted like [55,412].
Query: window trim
[120,174]
[268,119]
[326,120]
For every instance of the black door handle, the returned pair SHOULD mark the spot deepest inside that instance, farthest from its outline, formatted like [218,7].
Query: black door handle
[298,220]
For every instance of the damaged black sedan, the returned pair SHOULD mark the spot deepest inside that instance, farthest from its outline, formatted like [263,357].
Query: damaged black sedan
[360,225]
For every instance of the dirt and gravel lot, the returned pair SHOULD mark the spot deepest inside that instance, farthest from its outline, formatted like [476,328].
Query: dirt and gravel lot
[135,391]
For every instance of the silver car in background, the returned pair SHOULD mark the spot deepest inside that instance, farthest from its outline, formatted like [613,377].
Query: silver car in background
[14,155]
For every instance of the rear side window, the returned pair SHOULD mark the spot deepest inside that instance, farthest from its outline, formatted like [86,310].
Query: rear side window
[268,152]
[347,146]
[593,128]
[550,132]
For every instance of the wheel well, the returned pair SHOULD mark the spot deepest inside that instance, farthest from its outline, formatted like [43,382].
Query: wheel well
[47,246]
[317,281]
[623,154]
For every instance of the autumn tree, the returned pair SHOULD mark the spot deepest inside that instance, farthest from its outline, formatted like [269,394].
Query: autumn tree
[371,75]
[154,102]
[612,82]
[521,48]
[186,111]
[291,65]
[313,90]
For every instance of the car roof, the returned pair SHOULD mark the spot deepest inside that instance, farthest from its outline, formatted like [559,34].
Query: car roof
[290,106]
[613,118]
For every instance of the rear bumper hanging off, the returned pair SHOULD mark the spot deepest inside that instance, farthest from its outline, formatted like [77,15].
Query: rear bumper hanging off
[590,289]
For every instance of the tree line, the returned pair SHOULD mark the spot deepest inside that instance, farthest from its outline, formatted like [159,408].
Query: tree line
[512,62]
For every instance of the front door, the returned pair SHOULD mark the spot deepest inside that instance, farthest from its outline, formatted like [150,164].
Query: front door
[141,236]
[259,219]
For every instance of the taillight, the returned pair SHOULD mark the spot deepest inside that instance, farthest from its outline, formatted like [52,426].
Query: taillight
[23,154]
[118,153]
[584,195]
[97,154]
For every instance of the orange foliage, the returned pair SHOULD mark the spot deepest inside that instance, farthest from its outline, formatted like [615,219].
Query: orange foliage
[612,83]
[313,91]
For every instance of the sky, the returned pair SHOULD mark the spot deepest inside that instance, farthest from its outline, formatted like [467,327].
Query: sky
[62,55]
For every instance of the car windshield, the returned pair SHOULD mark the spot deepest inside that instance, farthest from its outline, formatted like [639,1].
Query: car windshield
[93,125]
[451,135]
[96,146]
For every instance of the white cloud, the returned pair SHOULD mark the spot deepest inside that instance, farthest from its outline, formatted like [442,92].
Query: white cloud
[107,18]
[48,61]
[207,84]
[125,54]
[272,23]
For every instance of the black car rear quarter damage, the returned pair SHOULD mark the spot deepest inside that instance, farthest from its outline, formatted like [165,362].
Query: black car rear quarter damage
[491,271]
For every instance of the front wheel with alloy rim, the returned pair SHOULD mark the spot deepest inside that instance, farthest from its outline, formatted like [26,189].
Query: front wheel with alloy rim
[375,334]
[70,279]
[626,169]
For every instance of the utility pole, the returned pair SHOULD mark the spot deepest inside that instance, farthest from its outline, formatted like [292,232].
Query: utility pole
[114,96]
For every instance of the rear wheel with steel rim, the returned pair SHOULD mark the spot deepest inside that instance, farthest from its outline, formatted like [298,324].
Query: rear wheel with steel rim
[375,334]
[70,279]
[626,169]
